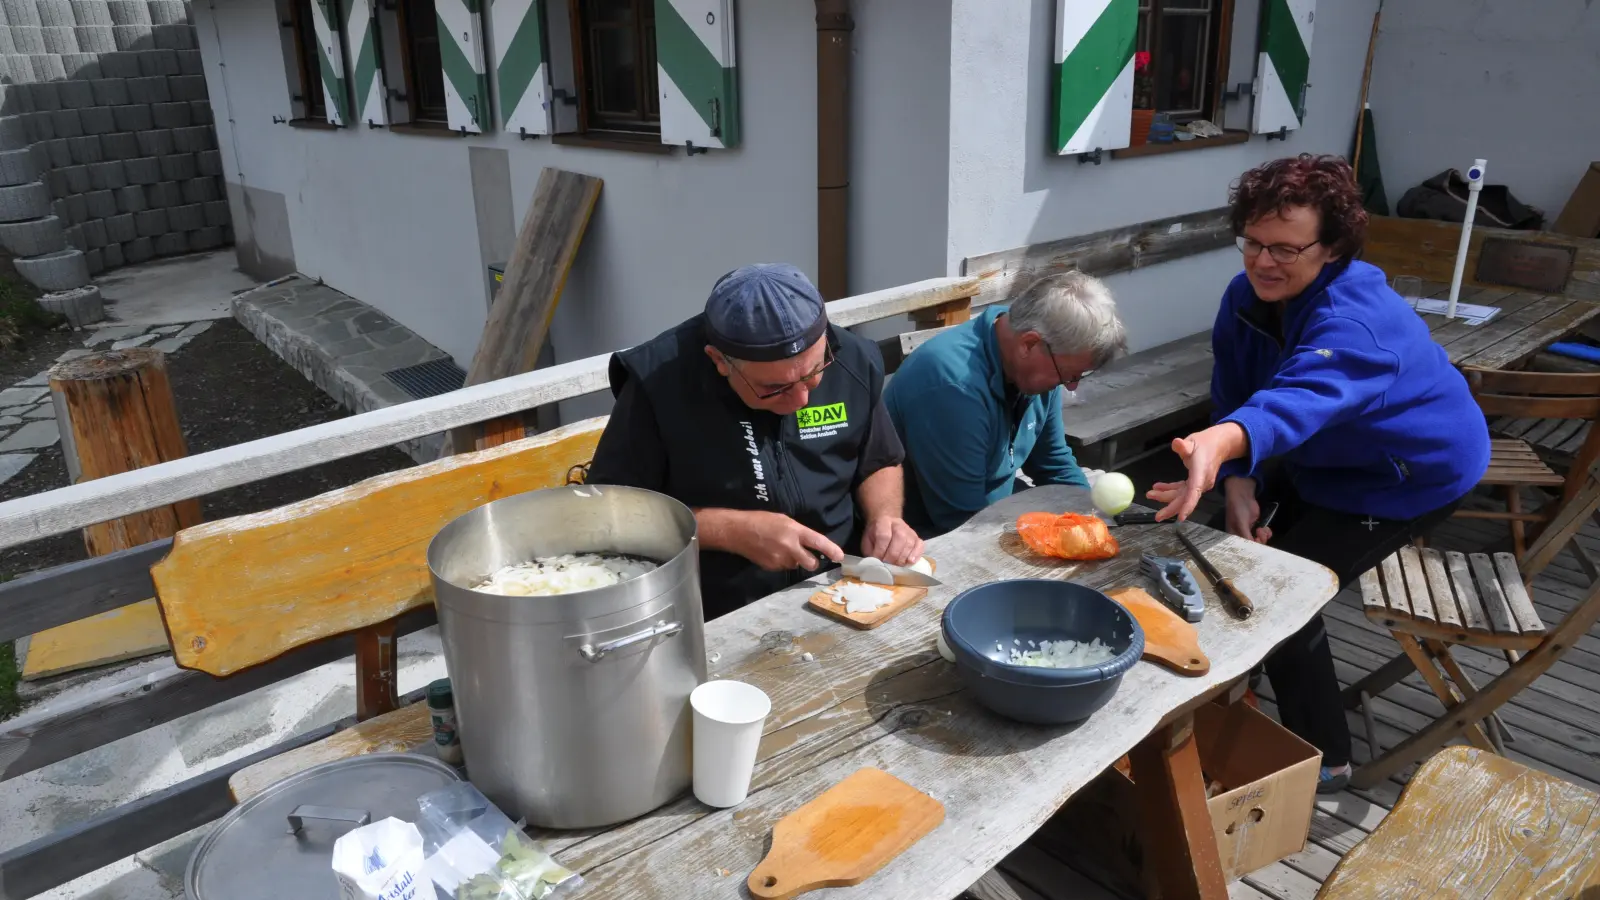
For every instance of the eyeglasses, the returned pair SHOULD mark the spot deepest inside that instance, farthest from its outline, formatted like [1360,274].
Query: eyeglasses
[1280,253]
[769,391]
[1057,366]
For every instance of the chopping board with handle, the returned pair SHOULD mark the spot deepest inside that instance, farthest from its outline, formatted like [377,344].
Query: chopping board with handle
[847,833]
[902,596]
[1168,639]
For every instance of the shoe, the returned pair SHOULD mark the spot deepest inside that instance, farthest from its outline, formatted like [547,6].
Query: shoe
[1332,781]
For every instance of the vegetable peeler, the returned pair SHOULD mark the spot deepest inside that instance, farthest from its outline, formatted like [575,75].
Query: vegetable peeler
[1179,590]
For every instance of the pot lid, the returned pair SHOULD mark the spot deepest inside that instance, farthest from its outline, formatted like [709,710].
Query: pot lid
[252,855]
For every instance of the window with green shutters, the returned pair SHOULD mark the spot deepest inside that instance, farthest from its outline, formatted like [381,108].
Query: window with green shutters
[314,54]
[522,72]
[698,72]
[370,95]
[1284,65]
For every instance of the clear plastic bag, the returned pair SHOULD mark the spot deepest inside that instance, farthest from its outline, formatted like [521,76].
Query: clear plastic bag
[476,853]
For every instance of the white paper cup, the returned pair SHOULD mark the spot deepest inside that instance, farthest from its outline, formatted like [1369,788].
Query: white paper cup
[728,716]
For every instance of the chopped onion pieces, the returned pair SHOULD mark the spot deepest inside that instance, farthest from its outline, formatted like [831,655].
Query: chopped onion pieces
[565,574]
[1063,654]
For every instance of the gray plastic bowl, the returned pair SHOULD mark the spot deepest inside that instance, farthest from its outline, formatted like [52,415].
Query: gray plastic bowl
[1039,610]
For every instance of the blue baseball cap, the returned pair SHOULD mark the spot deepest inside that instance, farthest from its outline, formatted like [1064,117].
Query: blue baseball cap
[765,312]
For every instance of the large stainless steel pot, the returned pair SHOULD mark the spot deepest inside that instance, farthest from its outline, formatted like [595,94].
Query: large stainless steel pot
[574,709]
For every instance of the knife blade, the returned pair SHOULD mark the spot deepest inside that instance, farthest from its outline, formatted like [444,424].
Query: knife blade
[901,574]
[1232,597]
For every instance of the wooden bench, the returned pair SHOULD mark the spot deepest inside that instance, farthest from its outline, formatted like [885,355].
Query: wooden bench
[1471,824]
[241,592]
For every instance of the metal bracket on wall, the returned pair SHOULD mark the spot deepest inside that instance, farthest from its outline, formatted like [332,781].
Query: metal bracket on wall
[1238,91]
[1090,157]
[397,94]
[691,149]
[564,96]
[279,120]
[372,124]
[1282,134]
[523,135]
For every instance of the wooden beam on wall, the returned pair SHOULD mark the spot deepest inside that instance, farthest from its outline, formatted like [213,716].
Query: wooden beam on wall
[519,320]
[1005,273]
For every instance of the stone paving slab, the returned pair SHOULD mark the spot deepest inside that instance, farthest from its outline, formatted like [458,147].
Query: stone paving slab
[22,396]
[12,463]
[34,435]
[42,411]
[341,344]
[138,341]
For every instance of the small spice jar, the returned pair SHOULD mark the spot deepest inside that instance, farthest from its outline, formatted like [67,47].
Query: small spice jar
[442,712]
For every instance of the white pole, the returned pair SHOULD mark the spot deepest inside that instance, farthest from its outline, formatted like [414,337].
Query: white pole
[1474,185]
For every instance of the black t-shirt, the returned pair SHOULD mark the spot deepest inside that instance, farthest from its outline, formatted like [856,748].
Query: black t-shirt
[679,428]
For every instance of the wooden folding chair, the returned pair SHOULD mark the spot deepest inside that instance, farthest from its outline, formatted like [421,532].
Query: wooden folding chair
[1431,601]
[1545,402]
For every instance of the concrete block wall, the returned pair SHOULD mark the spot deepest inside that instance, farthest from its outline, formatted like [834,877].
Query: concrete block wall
[107,152]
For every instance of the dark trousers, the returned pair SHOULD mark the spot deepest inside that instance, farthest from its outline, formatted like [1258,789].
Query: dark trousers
[1301,668]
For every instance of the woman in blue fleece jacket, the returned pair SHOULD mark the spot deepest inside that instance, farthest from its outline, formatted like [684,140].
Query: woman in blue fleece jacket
[1330,399]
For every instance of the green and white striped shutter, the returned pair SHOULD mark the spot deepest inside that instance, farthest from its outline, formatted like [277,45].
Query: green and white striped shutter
[522,74]
[1285,64]
[362,27]
[698,73]
[1094,74]
[330,59]
[466,90]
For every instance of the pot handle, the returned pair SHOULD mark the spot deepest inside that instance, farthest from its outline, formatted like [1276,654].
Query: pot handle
[331,813]
[595,652]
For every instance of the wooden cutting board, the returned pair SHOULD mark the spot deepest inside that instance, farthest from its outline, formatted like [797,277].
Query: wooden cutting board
[903,596]
[1168,639]
[845,835]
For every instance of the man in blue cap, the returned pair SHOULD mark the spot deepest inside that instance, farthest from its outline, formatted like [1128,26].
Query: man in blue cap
[731,413]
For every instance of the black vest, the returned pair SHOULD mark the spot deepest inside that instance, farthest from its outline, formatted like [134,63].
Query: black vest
[722,453]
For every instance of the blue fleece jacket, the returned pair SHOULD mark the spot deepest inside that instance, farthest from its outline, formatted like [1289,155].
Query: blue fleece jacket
[964,439]
[1366,410]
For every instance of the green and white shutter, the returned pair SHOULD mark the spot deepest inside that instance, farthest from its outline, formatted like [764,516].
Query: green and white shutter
[522,73]
[330,59]
[1285,64]
[698,73]
[361,25]
[1094,74]
[466,90]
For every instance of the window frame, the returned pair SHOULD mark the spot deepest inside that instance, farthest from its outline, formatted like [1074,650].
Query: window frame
[1219,46]
[313,103]
[579,32]
[416,116]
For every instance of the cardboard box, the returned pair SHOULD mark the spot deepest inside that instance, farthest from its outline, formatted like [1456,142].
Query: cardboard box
[1262,813]
[1581,216]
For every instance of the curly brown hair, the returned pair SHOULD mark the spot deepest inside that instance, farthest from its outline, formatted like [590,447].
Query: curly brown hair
[1327,184]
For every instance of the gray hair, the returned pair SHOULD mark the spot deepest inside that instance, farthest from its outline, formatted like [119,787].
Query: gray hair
[1074,313]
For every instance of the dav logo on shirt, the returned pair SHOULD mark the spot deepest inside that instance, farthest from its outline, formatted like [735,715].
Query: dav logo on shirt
[821,421]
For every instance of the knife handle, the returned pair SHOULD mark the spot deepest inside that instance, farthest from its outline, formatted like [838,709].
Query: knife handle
[1234,599]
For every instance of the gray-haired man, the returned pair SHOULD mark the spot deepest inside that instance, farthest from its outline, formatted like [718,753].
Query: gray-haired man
[983,400]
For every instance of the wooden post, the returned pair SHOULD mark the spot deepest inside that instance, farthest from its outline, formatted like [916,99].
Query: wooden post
[1175,823]
[116,414]
[519,320]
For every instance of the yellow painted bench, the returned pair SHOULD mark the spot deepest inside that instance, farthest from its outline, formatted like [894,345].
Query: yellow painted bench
[1471,824]
[240,592]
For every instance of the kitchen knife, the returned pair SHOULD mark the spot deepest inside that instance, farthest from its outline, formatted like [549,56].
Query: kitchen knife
[901,574]
[1232,597]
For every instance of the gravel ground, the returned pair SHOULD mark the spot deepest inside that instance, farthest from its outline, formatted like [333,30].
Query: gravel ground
[229,389]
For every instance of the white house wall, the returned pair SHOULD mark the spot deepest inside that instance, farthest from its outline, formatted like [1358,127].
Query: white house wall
[390,218]
[1512,81]
[1008,190]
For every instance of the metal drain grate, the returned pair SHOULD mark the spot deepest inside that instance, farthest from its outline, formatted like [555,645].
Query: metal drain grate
[429,379]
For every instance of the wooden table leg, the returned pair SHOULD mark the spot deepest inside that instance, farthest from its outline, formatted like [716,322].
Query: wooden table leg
[1179,840]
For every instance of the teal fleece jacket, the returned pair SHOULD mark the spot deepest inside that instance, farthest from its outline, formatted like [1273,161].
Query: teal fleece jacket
[963,445]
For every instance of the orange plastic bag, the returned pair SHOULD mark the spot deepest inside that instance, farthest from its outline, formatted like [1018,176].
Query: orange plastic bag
[1067,535]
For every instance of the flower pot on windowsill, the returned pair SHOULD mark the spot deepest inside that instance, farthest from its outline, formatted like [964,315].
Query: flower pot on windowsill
[1140,133]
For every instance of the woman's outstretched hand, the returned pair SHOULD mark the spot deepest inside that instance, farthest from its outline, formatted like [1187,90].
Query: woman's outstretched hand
[1203,453]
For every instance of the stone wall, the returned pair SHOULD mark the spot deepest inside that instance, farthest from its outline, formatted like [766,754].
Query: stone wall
[108,156]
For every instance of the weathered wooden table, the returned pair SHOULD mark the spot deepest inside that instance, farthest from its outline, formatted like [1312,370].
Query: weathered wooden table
[1526,324]
[843,699]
